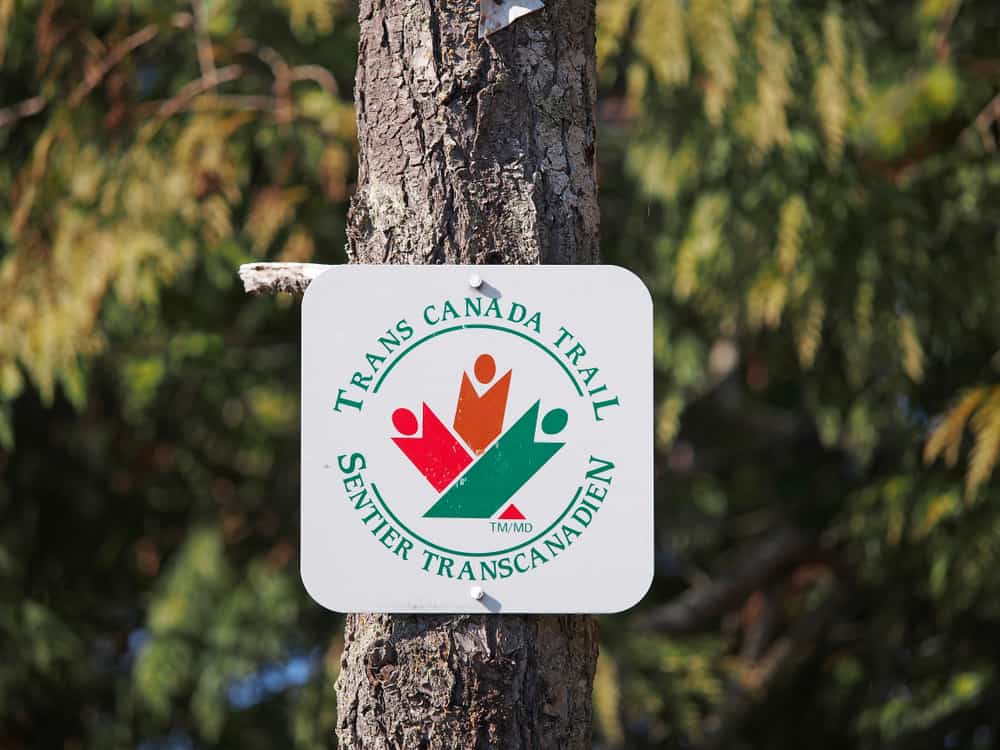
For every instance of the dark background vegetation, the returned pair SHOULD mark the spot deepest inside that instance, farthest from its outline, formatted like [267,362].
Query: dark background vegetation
[811,191]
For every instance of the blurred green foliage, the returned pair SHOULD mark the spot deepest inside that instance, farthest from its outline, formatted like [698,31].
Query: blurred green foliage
[811,191]
[149,409]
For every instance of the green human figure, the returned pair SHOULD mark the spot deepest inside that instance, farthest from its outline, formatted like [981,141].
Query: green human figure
[503,469]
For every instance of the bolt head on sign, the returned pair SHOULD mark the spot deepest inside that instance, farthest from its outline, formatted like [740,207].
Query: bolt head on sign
[477,439]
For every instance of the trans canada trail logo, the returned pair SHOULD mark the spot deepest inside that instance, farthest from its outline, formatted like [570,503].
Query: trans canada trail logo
[479,471]
[467,439]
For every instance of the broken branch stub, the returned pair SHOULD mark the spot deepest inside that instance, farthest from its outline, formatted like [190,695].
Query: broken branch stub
[271,278]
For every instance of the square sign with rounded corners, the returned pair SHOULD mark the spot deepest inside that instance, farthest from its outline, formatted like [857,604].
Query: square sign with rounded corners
[477,439]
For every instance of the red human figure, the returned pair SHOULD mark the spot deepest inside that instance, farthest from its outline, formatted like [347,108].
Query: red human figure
[479,419]
[436,453]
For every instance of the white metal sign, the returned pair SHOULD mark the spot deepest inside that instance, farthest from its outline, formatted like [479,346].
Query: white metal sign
[477,439]
[498,14]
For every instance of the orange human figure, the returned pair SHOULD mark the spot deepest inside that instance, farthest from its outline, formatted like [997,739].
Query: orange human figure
[479,419]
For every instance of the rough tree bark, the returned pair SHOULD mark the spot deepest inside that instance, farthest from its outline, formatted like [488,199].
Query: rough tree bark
[475,151]
[472,152]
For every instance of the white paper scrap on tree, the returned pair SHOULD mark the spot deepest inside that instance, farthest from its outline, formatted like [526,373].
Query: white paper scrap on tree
[497,14]
[477,439]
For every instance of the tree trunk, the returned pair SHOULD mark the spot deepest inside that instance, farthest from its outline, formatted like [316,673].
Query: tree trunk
[472,151]
[475,151]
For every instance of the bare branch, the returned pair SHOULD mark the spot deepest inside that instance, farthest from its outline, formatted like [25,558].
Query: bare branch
[18,111]
[943,46]
[282,73]
[198,86]
[984,121]
[118,53]
[217,103]
[696,607]
[94,75]
[206,58]
[282,86]
[316,73]
[274,60]
[779,665]
[243,102]
[271,278]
